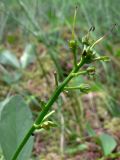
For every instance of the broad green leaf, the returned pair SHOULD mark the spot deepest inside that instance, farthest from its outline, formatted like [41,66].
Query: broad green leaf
[107,143]
[7,58]
[15,121]
[28,55]
[10,77]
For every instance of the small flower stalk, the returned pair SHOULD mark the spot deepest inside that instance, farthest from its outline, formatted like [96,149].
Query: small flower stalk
[84,88]
[73,42]
[47,125]
[103,58]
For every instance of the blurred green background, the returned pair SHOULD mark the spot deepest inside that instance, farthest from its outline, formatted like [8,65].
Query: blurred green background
[36,33]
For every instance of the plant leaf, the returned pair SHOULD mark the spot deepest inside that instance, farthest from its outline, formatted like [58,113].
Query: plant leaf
[15,121]
[7,58]
[28,55]
[107,143]
[10,77]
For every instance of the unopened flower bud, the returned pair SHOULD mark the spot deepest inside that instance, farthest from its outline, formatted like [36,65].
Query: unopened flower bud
[85,88]
[88,55]
[91,70]
[72,44]
[48,124]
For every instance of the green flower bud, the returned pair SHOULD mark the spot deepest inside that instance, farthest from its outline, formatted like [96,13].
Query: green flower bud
[47,125]
[85,88]
[88,55]
[91,70]
[72,44]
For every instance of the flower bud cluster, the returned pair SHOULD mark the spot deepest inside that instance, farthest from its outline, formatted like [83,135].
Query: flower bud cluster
[88,55]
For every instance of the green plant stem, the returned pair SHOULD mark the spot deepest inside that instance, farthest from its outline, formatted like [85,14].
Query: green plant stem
[27,136]
[72,88]
[47,107]
[75,57]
